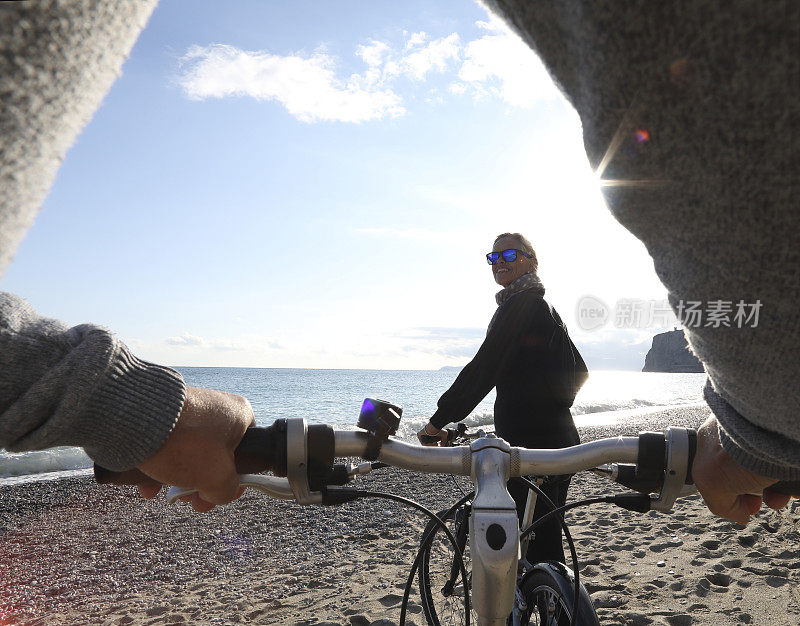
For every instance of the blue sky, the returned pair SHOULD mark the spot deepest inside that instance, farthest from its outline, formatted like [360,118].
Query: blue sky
[312,184]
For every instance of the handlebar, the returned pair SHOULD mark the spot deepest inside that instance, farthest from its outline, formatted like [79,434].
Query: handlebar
[304,455]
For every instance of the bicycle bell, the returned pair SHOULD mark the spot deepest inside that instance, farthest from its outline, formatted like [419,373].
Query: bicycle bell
[380,419]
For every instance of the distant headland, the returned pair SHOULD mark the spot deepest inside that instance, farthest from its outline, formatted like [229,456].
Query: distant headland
[670,353]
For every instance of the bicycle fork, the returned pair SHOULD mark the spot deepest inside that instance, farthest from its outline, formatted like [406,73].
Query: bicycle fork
[493,533]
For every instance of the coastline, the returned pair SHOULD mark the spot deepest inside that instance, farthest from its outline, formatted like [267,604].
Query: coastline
[72,552]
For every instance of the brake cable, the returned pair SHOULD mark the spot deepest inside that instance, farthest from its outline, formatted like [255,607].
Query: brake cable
[358,494]
[557,512]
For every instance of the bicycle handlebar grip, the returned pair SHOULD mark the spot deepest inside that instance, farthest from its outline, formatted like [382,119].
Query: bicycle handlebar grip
[260,450]
[430,439]
[785,487]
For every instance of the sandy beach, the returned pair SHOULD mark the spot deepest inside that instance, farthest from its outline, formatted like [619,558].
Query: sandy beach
[72,552]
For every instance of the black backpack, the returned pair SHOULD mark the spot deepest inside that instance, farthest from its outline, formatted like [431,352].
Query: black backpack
[567,371]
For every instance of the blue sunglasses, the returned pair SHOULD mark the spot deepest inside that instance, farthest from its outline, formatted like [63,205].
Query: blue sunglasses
[509,256]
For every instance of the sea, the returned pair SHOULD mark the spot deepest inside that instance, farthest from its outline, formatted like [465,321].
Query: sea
[334,397]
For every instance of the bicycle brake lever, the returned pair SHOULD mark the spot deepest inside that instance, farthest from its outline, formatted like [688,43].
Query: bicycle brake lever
[176,493]
[271,485]
[358,469]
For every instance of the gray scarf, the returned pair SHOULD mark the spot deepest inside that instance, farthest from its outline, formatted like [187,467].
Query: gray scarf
[527,281]
[530,280]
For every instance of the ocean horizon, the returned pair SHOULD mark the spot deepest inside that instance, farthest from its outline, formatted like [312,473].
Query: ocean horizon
[334,396]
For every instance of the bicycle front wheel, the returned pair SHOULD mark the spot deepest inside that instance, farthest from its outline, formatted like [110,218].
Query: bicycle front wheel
[548,595]
[442,587]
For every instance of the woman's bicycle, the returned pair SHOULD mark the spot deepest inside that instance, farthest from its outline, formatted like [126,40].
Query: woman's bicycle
[497,587]
[544,591]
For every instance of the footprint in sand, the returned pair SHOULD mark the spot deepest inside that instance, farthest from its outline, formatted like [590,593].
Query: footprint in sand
[786,554]
[770,528]
[637,619]
[755,556]
[702,588]
[719,578]
[781,572]
[390,599]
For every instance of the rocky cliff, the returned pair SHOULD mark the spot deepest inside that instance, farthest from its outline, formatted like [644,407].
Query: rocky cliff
[670,353]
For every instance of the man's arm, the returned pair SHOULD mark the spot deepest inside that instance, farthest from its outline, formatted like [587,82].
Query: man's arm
[710,188]
[80,386]
[57,62]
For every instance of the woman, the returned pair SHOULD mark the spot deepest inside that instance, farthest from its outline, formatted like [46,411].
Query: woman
[522,356]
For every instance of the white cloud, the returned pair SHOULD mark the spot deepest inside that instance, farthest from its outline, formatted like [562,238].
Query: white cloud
[431,57]
[306,86]
[459,344]
[498,64]
[416,39]
[501,64]
[187,340]
[373,53]
[457,88]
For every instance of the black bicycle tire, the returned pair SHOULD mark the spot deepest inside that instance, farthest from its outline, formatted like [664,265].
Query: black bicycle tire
[426,593]
[544,581]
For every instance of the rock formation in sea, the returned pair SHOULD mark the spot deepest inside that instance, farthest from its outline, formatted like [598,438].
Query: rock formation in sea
[670,353]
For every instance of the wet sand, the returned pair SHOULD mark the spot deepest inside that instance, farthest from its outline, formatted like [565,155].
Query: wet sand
[75,553]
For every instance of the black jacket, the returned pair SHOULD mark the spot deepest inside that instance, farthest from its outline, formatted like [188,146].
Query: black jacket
[514,357]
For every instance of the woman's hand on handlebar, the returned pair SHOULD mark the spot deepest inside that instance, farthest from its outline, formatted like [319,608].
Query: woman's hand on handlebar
[729,490]
[199,452]
[428,433]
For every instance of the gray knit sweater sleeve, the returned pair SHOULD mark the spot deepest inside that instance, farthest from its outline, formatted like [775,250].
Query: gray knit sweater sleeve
[690,113]
[80,386]
[58,385]
[57,62]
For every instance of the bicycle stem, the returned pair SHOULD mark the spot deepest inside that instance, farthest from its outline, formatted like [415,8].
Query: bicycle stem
[493,532]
